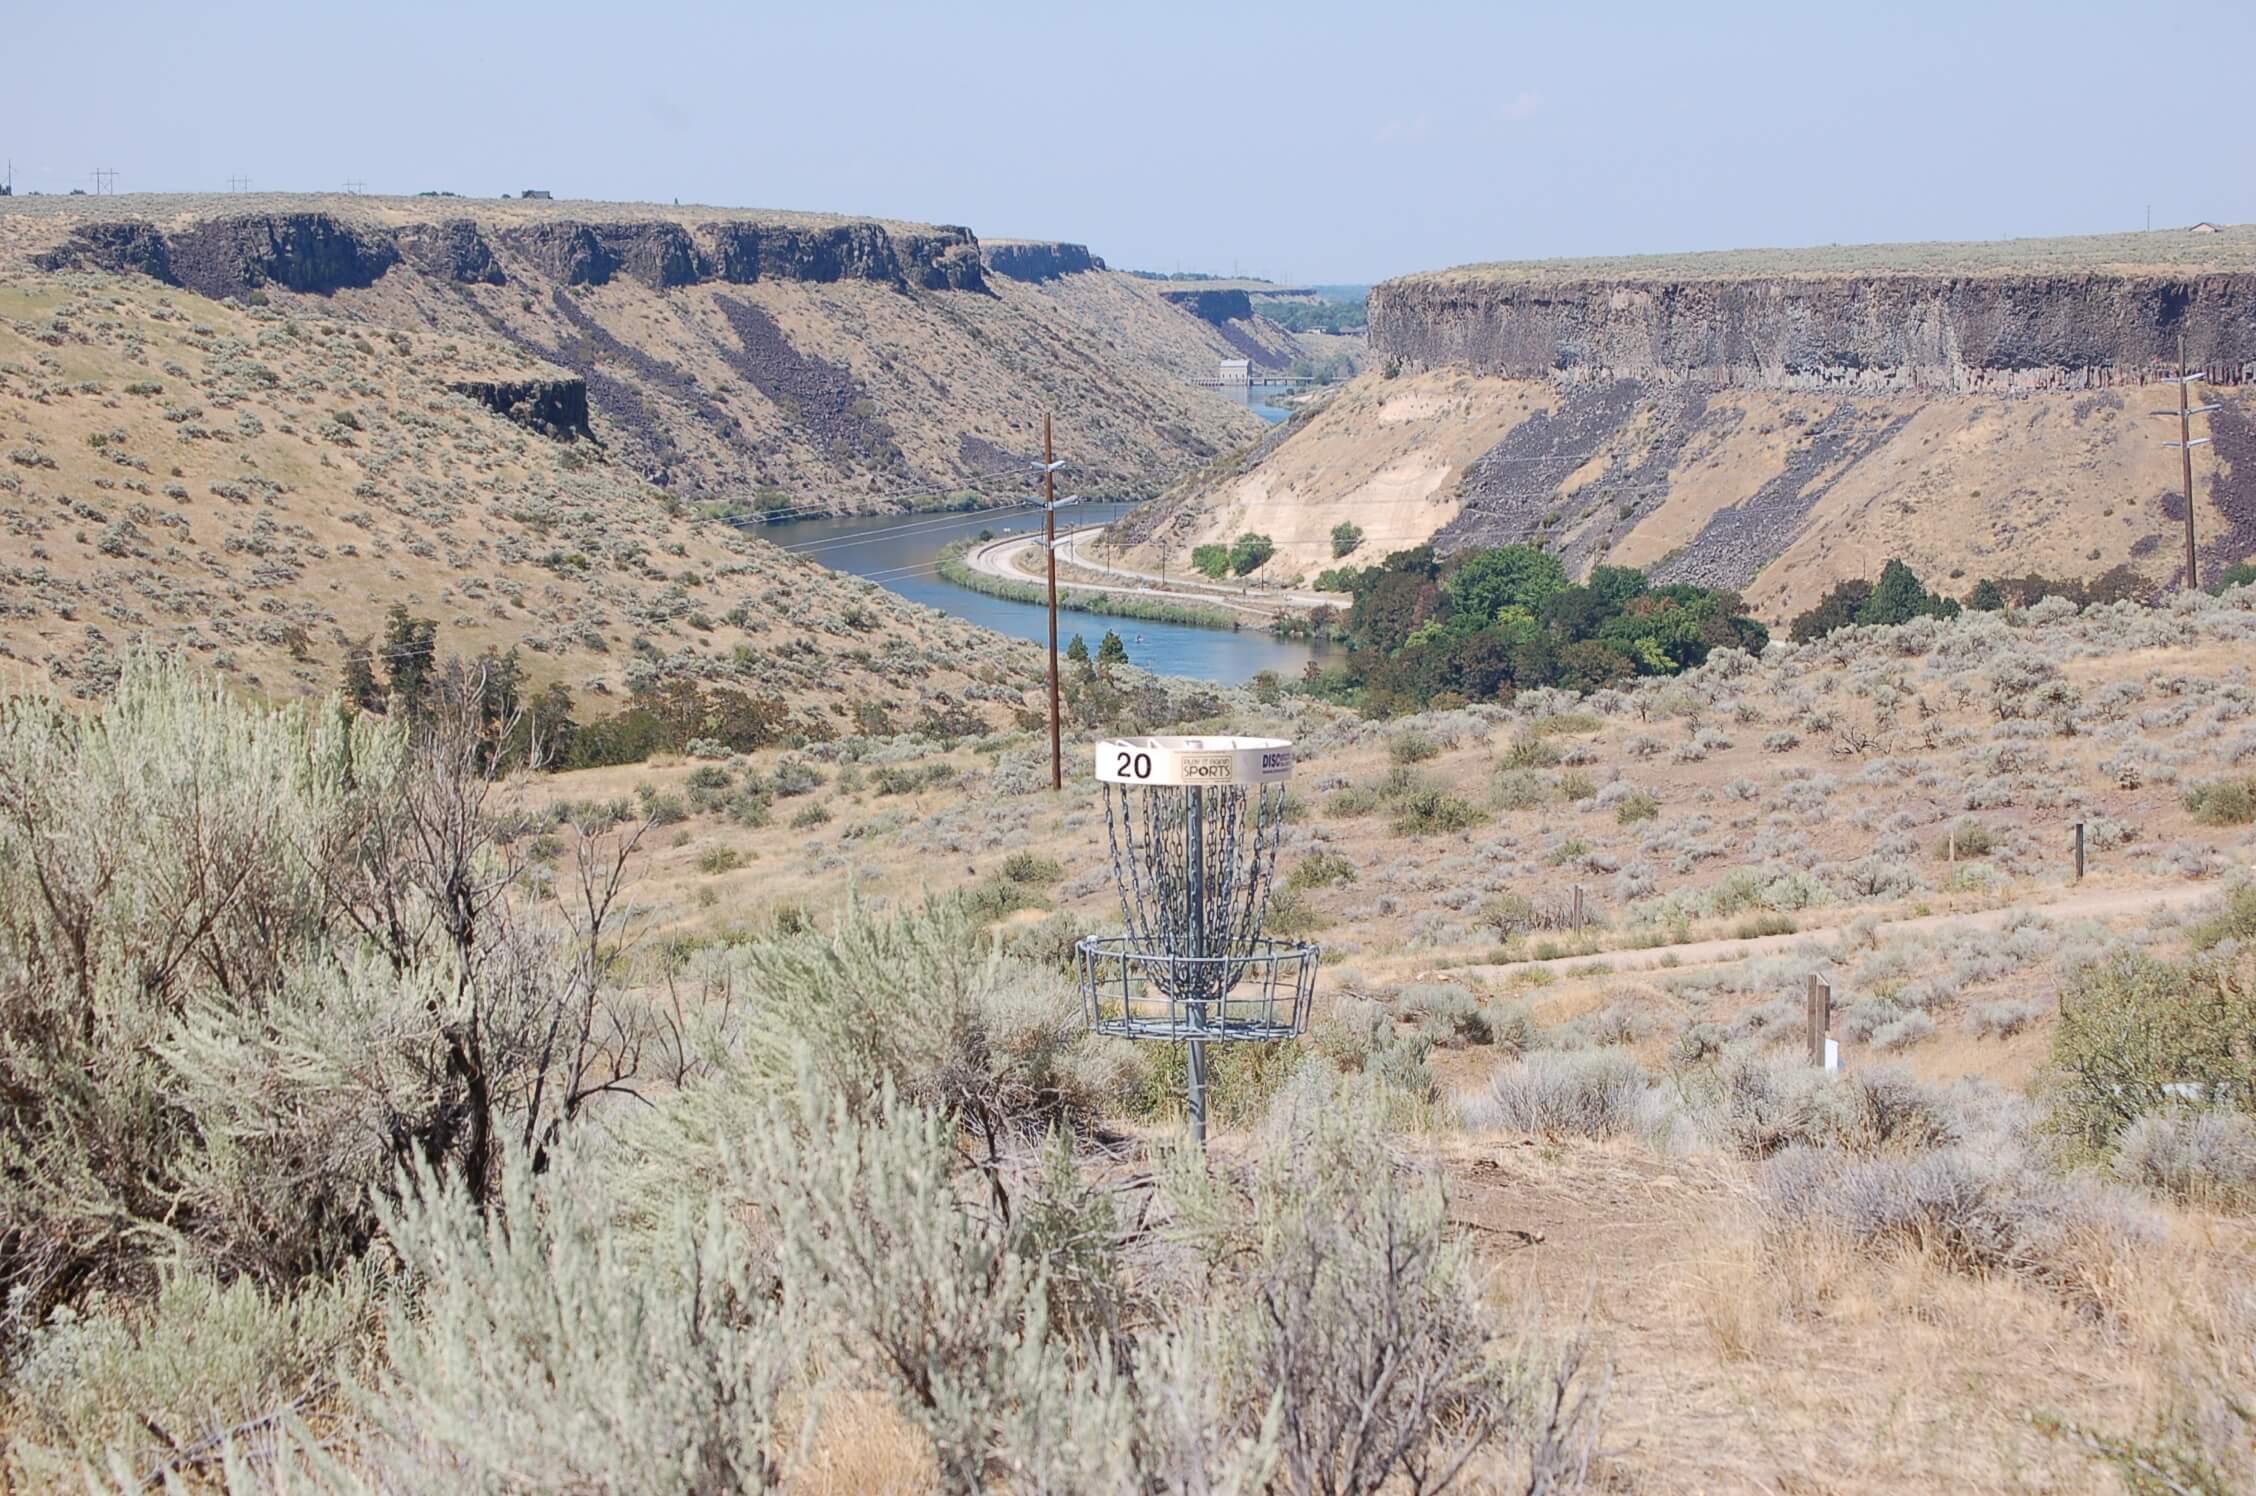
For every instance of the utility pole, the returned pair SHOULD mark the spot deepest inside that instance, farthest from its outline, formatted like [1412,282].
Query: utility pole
[2185,444]
[105,181]
[1051,504]
[353,186]
[238,183]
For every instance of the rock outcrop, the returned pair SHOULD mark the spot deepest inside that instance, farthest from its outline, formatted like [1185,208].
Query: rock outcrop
[556,408]
[321,253]
[1216,307]
[128,248]
[1846,333]
[572,253]
[454,250]
[311,252]
[1033,261]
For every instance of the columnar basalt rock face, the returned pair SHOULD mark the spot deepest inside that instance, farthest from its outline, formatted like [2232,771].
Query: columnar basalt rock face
[454,250]
[320,253]
[1848,333]
[310,252]
[128,247]
[1040,262]
[944,261]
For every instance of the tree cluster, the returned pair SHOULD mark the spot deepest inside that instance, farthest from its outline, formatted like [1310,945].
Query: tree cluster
[406,676]
[1899,597]
[1482,624]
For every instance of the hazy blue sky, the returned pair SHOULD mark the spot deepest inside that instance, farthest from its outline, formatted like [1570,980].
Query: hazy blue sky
[1316,141]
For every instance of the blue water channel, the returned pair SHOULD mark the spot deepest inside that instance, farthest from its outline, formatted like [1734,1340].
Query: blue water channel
[898,552]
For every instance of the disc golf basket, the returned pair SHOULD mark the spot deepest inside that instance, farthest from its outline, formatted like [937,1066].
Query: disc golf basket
[1193,825]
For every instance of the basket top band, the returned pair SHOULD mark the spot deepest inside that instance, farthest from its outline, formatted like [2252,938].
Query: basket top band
[1194,761]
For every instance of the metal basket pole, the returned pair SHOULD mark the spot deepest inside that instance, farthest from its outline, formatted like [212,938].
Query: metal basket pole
[1195,909]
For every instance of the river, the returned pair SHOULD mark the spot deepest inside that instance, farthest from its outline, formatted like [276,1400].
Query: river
[898,551]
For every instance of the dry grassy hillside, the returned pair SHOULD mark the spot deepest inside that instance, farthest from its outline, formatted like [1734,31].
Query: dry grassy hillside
[2228,247]
[820,358]
[1890,811]
[1780,493]
[257,486]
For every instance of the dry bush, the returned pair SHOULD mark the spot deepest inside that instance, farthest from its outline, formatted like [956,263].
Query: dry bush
[1993,1212]
[1586,1094]
[2208,1158]
[536,1342]
[253,961]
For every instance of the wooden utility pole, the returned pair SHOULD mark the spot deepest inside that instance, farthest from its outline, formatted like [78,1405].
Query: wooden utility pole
[2185,444]
[2079,851]
[1049,556]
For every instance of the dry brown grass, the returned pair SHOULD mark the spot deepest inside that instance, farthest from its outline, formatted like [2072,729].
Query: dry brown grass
[2233,247]
[263,537]
[2061,483]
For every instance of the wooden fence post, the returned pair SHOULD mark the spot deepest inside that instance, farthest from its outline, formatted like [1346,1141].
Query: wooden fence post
[2079,851]
[1820,1018]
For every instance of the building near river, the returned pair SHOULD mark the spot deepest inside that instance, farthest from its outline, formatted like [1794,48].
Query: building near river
[1235,371]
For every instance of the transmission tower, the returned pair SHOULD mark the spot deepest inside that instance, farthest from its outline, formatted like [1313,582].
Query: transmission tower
[238,183]
[353,186]
[105,181]
[2185,444]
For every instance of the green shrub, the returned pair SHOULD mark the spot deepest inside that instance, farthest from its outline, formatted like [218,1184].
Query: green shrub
[1508,914]
[1970,837]
[1352,802]
[1291,916]
[1031,867]
[2135,1033]
[1770,922]
[1412,747]
[1520,789]
[1530,752]
[1429,812]
[2223,802]
[2235,920]
[1637,807]
[1321,869]
[719,860]
[1250,552]
[1345,538]
[1213,560]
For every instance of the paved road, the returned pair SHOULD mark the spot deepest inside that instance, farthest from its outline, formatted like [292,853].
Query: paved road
[999,558]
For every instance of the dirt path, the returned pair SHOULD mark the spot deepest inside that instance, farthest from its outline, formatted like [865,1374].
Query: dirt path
[2097,904]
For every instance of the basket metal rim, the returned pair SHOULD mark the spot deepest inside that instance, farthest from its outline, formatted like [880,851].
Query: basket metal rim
[1266,950]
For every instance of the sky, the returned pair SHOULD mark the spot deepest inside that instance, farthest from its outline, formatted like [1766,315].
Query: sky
[1310,142]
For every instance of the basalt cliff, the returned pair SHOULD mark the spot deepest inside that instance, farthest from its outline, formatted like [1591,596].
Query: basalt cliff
[1777,420]
[1873,333]
[726,355]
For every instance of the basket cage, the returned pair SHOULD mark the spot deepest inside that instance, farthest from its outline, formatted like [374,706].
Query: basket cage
[1194,865]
